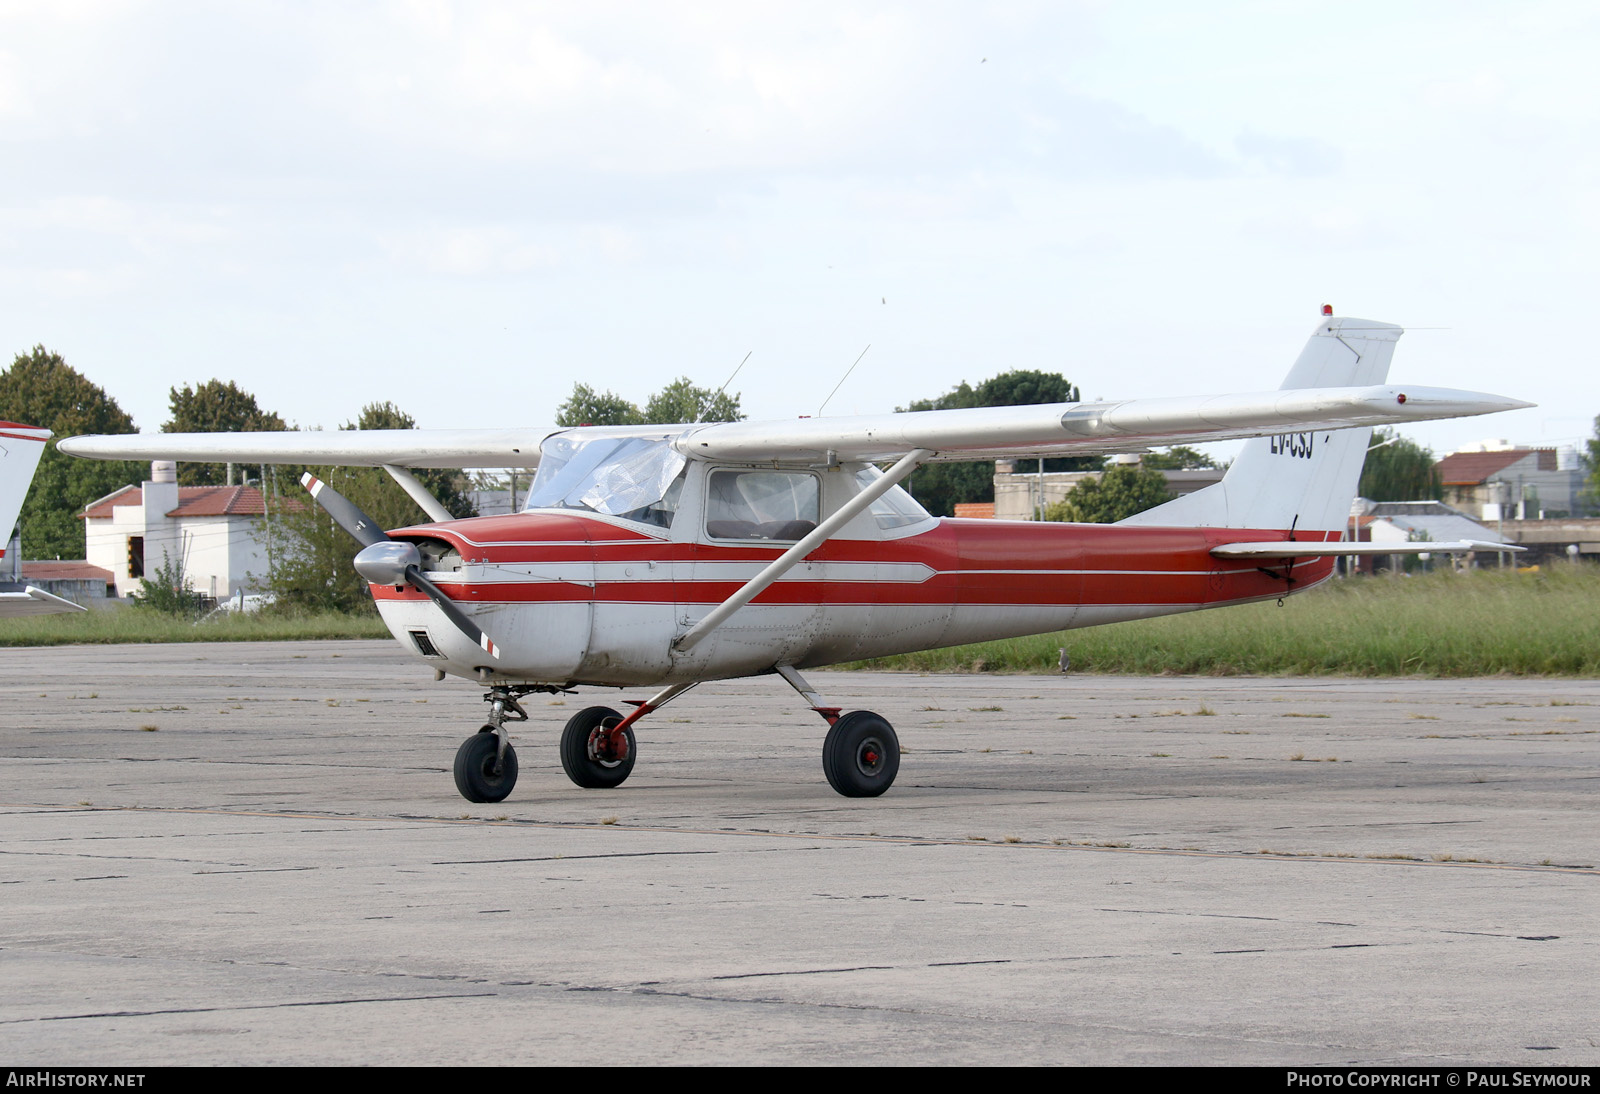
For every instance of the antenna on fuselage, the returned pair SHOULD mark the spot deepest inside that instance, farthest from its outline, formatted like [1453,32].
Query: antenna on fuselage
[707,408]
[842,379]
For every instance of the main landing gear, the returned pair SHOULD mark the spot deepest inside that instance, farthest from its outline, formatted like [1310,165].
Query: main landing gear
[860,757]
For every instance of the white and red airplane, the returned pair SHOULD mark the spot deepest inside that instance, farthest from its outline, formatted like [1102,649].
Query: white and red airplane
[21,446]
[663,556]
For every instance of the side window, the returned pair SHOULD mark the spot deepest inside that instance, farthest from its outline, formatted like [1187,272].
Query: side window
[779,505]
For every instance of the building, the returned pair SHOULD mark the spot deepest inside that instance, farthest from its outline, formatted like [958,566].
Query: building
[1020,494]
[1495,481]
[1413,522]
[216,533]
[77,581]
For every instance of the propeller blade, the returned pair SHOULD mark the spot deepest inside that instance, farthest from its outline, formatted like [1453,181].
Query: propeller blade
[384,561]
[343,511]
[453,613]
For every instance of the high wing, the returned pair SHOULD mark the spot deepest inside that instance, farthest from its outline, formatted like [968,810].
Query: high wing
[971,434]
[458,448]
[1088,429]
[1340,351]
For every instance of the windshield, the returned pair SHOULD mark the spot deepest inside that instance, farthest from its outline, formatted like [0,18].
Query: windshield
[896,508]
[636,478]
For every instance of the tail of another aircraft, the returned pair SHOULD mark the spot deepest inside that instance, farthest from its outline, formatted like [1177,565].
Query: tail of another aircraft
[1304,481]
[20,449]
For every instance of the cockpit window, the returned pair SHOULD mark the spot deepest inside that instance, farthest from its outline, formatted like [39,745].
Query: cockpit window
[636,478]
[761,505]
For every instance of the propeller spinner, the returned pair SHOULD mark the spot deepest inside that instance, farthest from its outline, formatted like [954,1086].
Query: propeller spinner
[385,561]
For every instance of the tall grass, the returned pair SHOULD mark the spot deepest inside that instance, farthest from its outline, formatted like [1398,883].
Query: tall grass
[1481,623]
[128,624]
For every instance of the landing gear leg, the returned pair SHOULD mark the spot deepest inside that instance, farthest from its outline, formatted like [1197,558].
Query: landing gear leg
[861,755]
[486,764]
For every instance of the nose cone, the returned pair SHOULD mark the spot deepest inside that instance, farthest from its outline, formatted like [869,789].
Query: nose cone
[386,563]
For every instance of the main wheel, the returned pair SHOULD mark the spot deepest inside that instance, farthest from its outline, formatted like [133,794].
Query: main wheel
[584,752]
[861,755]
[476,776]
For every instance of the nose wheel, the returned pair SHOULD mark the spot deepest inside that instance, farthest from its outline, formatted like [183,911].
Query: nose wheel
[486,764]
[484,771]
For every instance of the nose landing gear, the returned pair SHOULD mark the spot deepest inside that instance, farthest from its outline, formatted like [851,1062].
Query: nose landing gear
[486,764]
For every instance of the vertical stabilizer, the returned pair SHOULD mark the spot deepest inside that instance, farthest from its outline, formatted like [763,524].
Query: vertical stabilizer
[20,449]
[1304,481]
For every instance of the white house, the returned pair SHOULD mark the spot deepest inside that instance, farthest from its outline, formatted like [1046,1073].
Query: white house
[216,532]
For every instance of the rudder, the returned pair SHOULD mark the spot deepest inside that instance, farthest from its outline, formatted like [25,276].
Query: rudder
[1304,481]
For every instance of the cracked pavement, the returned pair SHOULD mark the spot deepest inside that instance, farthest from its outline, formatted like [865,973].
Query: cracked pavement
[254,853]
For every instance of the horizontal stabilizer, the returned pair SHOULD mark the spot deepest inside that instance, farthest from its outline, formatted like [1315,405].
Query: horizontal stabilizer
[1291,549]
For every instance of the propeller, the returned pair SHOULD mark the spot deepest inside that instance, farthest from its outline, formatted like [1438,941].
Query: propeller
[385,561]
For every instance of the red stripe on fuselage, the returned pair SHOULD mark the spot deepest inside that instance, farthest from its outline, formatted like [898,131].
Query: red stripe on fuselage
[973,562]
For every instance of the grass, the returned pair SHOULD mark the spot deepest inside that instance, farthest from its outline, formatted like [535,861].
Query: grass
[1483,623]
[139,625]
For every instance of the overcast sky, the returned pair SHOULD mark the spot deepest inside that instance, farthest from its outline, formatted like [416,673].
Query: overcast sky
[466,207]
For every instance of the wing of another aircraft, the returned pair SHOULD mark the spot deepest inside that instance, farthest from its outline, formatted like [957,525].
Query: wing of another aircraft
[18,599]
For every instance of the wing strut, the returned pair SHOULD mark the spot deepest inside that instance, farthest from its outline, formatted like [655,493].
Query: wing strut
[419,493]
[786,561]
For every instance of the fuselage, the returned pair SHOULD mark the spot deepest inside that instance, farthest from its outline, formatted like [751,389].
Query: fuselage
[575,598]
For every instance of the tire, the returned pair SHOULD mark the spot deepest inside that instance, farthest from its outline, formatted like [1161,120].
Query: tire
[582,768]
[861,755]
[475,774]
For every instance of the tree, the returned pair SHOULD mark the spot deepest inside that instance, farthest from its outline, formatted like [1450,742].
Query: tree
[941,486]
[42,389]
[680,401]
[1178,458]
[313,558]
[588,407]
[449,486]
[1119,493]
[1592,461]
[1399,469]
[216,406]
[166,589]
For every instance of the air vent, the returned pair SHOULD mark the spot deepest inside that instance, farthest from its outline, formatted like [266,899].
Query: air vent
[425,644]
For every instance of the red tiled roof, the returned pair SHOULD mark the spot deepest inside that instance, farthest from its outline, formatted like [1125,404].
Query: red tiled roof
[983,509]
[194,501]
[127,495]
[57,570]
[219,501]
[1472,468]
